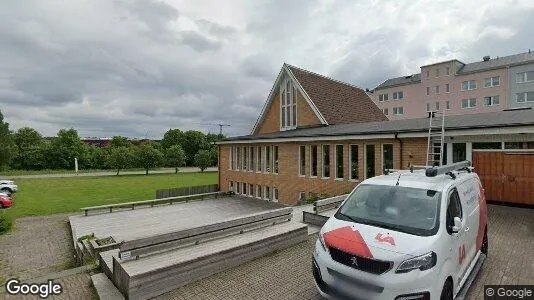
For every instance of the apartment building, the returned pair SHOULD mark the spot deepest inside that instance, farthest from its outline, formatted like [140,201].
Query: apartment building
[319,137]
[490,85]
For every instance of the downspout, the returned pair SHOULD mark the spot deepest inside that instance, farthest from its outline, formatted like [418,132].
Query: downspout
[400,143]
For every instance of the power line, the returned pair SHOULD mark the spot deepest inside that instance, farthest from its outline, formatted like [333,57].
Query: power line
[220,126]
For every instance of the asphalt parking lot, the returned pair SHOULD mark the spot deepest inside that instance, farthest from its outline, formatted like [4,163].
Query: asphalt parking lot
[287,274]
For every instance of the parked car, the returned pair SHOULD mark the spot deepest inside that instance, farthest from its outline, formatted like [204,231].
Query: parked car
[406,235]
[5,201]
[8,186]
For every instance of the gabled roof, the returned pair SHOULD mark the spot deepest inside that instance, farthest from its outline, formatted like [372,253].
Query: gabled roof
[501,119]
[334,102]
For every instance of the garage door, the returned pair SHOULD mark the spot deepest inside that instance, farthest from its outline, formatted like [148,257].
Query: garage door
[507,176]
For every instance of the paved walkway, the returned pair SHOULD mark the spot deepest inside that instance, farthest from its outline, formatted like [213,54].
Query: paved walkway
[109,173]
[287,274]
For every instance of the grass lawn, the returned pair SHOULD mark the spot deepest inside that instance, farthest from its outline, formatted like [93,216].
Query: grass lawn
[42,196]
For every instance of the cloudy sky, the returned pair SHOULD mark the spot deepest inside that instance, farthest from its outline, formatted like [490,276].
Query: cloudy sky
[139,67]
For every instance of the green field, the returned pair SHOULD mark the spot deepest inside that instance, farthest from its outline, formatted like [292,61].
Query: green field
[8,173]
[42,196]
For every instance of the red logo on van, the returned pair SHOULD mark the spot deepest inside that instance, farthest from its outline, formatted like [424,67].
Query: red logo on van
[381,238]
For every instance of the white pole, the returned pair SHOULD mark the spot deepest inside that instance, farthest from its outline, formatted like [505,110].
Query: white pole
[76,165]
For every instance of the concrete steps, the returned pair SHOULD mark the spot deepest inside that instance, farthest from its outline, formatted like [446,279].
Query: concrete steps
[105,288]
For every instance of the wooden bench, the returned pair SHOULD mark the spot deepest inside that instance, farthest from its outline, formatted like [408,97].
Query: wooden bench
[194,236]
[151,203]
[319,206]
[148,267]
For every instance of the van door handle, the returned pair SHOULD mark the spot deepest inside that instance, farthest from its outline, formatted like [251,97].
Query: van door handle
[466,228]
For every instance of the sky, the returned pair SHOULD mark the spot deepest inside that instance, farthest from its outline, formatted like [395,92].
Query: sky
[140,67]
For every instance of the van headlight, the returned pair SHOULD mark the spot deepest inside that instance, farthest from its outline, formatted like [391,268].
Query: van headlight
[423,262]
[321,240]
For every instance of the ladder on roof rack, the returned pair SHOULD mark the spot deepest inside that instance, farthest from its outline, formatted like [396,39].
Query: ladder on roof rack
[436,137]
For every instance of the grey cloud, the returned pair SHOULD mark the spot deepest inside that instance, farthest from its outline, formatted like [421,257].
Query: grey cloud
[198,42]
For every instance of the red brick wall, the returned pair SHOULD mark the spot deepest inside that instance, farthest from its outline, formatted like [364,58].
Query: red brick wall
[288,181]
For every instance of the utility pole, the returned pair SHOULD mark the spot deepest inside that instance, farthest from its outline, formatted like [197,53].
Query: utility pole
[220,126]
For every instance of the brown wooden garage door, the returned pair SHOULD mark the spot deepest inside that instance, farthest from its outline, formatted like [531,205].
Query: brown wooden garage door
[506,176]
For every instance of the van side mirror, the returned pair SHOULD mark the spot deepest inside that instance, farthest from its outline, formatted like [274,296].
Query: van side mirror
[457,225]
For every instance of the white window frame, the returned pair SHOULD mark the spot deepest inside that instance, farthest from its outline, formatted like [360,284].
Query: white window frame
[266,168]
[230,186]
[323,162]
[299,196]
[523,76]
[300,161]
[469,106]
[244,158]
[470,86]
[447,105]
[251,190]
[383,97]
[230,157]
[491,81]
[437,89]
[258,191]
[243,188]
[342,162]
[385,111]
[275,160]
[266,193]
[238,188]
[311,161]
[525,97]
[447,88]
[437,105]
[350,162]
[259,163]
[276,194]
[288,105]
[447,71]
[397,111]
[398,95]
[492,101]
[251,162]
[392,151]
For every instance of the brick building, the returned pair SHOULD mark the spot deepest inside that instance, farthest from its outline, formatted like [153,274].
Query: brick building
[317,136]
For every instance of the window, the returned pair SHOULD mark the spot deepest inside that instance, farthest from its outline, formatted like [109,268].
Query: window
[525,97]
[302,160]
[491,101]
[245,158]
[244,189]
[437,89]
[387,156]
[448,71]
[492,81]
[447,88]
[353,168]
[238,186]
[313,161]
[427,90]
[524,77]
[469,103]
[386,111]
[339,161]
[437,72]
[428,107]
[459,152]
[427,73]
[398,95]
[267,159]
[275,195]
[258,191]
[301,197]
[383,97]
[326,161]
[398,110]
[238,156]
[469,85]
[487,145]
[454,209]
[437,106]
[288,105]
[251,190]
[231,158]
[260,165]
[275,160]
[266,193]
[251,163]
[231,186]
[447,105]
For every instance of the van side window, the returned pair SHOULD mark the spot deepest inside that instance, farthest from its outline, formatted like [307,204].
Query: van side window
[453,210]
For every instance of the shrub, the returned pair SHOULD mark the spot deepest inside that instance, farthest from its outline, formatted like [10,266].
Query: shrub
[5,224]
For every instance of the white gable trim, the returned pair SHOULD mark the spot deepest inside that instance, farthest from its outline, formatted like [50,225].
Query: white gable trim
[276,87]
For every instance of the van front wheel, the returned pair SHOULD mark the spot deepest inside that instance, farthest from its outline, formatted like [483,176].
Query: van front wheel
[446,293]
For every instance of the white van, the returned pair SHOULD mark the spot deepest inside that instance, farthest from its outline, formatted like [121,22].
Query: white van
[405,235]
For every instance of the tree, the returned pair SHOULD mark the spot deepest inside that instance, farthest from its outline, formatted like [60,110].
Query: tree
[119,141]
[192,143]
[172,137]
[214,156]
[8,149]
[120,158]
[96,157]
[30,154]
[202,159]
[64,148]
[175,157]
[148,157]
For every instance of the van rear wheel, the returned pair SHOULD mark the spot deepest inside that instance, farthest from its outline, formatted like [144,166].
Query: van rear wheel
[484,249]
[446,293]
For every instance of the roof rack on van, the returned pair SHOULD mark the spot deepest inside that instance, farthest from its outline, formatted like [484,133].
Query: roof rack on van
[447,169]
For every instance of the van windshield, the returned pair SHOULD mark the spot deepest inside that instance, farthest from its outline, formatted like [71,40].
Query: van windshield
[410,210]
